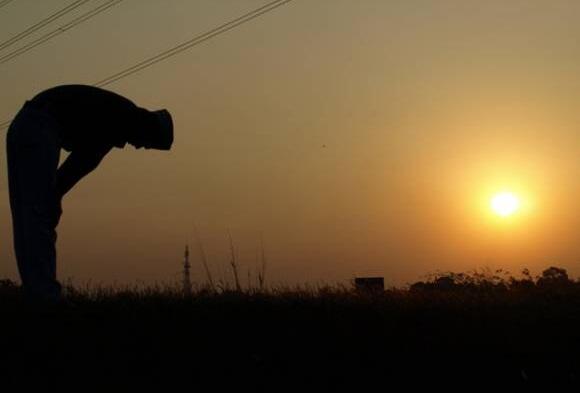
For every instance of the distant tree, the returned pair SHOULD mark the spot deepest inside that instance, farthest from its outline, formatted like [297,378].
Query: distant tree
[525,283]
[420,286]
[554,277]
[445,282]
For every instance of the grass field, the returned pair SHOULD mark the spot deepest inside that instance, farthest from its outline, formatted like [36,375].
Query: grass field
[456,330]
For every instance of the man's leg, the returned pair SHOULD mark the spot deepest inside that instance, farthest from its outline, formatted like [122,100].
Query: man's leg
[33,155]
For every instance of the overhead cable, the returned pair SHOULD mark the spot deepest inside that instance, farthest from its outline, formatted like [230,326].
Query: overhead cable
[193,42]
[23,34]
[5,2]
[78,20]
[5,124]
[185,45]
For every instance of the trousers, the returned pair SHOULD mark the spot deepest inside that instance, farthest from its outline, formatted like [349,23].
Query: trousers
[33,154]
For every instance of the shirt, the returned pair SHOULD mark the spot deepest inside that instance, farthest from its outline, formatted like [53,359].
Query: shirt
[92,118]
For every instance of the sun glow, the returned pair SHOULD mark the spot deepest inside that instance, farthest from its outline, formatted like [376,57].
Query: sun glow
[505,204]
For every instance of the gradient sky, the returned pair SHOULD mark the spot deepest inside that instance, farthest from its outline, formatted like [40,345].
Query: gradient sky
[425,109]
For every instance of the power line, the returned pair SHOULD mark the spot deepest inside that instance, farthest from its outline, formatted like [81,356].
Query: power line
[41,24]
[185,45]
[193,42]
[5,2]
[5,124]
[84,17]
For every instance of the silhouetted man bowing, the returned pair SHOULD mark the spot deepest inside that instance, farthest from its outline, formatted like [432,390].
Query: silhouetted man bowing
[86,121]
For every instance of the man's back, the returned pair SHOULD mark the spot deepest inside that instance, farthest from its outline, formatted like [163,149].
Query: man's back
[90,116]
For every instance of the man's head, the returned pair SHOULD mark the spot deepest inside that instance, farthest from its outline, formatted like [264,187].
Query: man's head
[158,135]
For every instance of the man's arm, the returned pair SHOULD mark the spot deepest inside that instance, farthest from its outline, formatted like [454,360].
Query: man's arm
[77,165]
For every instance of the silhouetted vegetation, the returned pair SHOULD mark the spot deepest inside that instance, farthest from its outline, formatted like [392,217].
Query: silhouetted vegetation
[553,278]
[482,328]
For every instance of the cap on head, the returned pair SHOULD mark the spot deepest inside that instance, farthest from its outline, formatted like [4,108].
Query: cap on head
[161,137]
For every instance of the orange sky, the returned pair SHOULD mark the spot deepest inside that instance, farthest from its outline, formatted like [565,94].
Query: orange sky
[426,108]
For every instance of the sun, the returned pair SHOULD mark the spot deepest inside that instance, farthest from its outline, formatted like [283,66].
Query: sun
[505,204]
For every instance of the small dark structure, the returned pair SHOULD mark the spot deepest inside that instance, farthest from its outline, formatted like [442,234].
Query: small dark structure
[369,284]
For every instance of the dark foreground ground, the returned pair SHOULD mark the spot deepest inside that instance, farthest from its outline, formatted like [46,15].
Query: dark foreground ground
[323,340]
